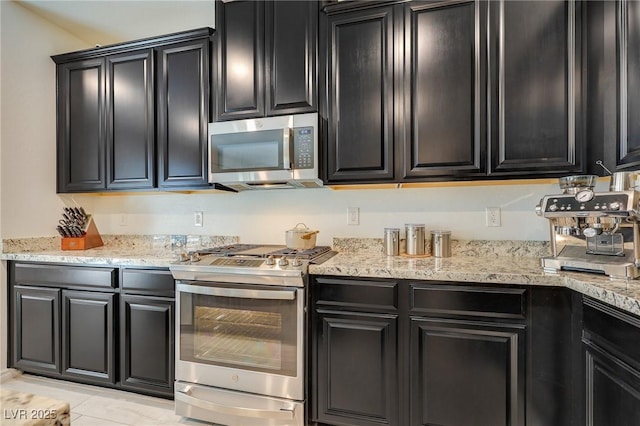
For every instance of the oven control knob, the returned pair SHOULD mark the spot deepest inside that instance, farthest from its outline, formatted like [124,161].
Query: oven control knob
[296,262]
[614,206]
[283,261]
[553,207]
[270,261]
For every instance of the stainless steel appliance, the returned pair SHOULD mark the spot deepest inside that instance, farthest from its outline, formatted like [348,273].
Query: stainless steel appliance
[265,153]
[593,231]
[241,334]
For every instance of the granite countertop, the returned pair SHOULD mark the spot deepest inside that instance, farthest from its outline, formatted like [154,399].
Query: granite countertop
[521,270]
[491,262]
[118,250]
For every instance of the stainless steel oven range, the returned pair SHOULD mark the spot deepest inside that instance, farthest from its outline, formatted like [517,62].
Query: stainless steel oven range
[241,334]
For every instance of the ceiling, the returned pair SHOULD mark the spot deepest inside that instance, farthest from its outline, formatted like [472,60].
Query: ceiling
[102,22]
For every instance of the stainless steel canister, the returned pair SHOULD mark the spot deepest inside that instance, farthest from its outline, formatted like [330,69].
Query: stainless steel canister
[391,241]
[441,243]
[415,239]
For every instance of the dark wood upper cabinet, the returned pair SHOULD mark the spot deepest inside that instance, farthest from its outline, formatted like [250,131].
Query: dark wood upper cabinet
[240,57]
[444,65]
[628,48]
[291,34]
[80,116]
[130,120]
[134,116]
[428,90]
[361,68]
[535,88]
[265,58]
[183,114]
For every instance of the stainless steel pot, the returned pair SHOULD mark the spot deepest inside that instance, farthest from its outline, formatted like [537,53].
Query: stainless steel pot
[301,238]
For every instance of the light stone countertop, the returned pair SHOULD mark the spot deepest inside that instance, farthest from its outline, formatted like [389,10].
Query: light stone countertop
[487,262]
[482,269]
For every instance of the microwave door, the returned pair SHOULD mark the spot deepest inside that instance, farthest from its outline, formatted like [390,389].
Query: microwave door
[251,156]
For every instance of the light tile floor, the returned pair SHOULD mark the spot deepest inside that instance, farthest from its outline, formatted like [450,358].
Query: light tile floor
[97,406]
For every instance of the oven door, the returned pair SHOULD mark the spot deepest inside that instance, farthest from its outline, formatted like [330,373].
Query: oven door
[242,337]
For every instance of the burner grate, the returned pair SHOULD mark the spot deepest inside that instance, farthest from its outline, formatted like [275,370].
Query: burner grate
[302,254]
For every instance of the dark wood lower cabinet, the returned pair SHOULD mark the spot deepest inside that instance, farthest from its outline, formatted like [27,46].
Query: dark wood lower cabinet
[35,329]
[73,322]
[88,336]
[357,369]
[612,365]
[428,353]
[147,344]
[613,390]
[466,373]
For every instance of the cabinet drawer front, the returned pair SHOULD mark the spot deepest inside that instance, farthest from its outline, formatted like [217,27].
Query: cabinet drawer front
[468,301]
[357,294]
[63,276]
[612,329]
[157,282]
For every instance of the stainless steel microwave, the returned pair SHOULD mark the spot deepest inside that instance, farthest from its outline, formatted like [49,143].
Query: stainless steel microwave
[265,153]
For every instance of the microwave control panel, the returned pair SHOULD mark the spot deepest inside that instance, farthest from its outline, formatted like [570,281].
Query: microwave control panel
[303,148]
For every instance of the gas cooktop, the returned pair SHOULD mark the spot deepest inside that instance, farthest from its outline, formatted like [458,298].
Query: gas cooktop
[252,262]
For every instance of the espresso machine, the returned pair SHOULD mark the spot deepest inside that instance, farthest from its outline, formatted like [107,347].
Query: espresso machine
[594,231]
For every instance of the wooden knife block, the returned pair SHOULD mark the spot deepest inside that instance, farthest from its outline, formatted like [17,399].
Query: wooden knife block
[90,239]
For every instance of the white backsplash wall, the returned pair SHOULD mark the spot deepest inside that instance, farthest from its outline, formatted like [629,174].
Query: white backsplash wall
[264,216]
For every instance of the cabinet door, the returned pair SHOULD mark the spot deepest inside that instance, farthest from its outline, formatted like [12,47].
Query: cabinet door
[88,345]
[466,373]
[81,136]
[291,32]
[628,40]
[35,325]
[240,59]
[130,120]
[444,88]
[357,371]
[360,76]
[183,113]
[147,344]
[535,88]
[612,390]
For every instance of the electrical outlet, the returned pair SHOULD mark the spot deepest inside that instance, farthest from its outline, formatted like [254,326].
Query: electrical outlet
[197,218]
[353,216]
[493,216]
[123,219]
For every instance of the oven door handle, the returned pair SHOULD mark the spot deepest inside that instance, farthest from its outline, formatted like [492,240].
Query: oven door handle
[238,292]
[283,413]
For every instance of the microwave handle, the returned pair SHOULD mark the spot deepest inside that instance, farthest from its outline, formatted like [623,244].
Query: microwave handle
[238,292]
[287,147]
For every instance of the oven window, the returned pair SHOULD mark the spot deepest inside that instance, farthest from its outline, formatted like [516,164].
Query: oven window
[252,334]
[247,337]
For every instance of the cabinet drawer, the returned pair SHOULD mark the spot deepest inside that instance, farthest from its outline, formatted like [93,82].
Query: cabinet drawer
[157,282]
[357,294]
[64,275]
[612,329]
[446,299]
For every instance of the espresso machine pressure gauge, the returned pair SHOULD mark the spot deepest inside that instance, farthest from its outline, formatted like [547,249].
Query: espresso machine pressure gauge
[584,196]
